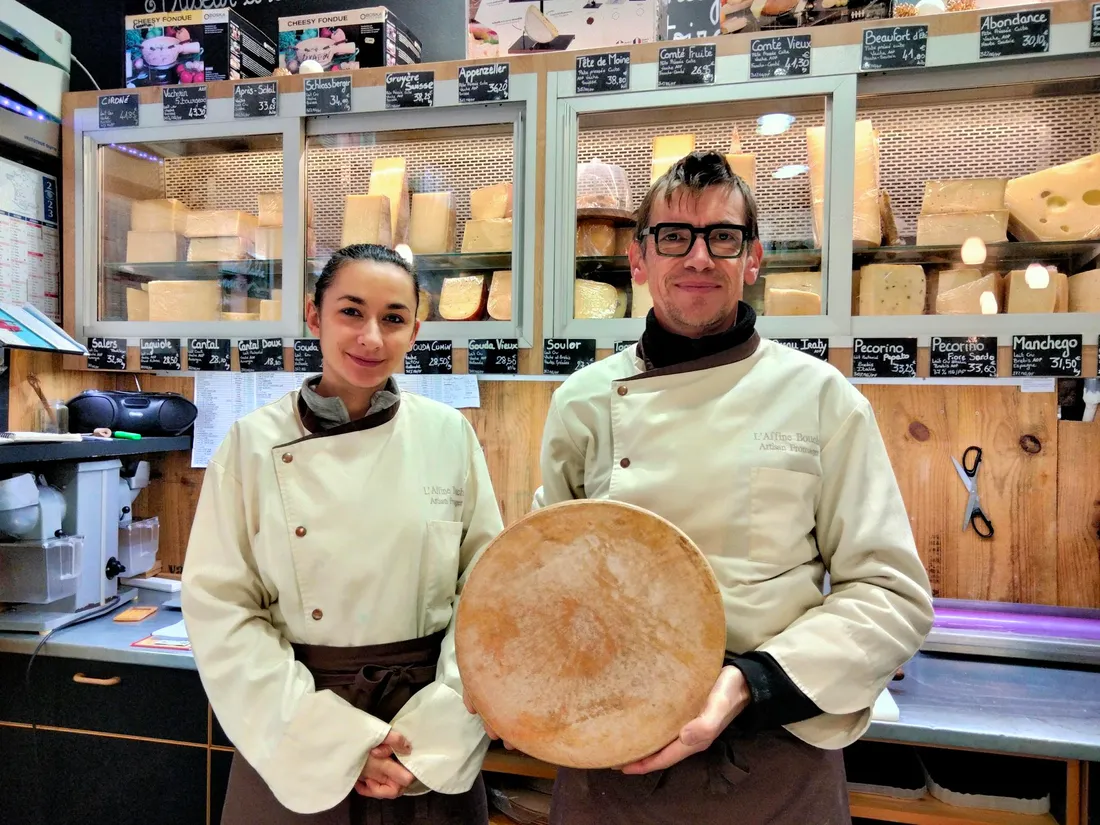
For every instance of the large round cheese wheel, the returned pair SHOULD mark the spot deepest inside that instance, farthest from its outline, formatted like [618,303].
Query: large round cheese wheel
[589,633]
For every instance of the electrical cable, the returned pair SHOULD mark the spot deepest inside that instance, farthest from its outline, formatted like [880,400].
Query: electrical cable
[73,57]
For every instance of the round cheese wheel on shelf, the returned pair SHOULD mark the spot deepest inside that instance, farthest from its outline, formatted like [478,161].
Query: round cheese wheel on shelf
[589,633]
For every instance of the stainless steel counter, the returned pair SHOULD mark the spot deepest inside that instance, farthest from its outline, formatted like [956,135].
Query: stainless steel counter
[981,704]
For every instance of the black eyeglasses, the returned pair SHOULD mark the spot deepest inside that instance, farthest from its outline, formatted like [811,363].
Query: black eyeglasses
[674,240]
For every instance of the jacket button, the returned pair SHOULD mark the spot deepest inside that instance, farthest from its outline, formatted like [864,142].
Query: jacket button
[301,531]
[287,458]
[624,463]
[317,614]
[622,390]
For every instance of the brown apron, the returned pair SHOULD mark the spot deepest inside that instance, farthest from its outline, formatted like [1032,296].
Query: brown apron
[768,778]
[379,680]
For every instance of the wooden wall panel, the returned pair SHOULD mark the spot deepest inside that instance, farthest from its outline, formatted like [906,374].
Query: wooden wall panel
[1040,478]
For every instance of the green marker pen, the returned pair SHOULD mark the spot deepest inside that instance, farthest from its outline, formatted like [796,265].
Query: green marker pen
[131,436]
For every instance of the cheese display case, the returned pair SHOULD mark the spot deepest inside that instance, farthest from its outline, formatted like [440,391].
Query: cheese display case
[448,187]
[779,137]
[993,187]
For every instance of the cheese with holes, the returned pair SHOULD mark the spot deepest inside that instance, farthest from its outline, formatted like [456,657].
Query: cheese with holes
[867,218]
[595,237]
[1084,291]
[949,229]
[432,223]
[367,219]
[594,299]
[891,289]
[166,215]
[154,247]
[641,301]
[488,236]
[967,298]
[667,149]
[462,298]
[791,302]
[965,195]
[491,202]
[185,301]
[500,296]
[221,223]
[1057,204]
[743,165]
[219,249]
[388,176]
[137,304]
[1036,293]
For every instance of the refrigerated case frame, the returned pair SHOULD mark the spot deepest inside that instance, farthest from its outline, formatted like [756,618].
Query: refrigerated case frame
[836,74]
[369,114]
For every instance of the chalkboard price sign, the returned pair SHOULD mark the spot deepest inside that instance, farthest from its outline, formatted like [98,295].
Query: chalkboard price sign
[329,94]
[884,358]
[307,355]
[106,353]
[817,347]
[483,84]
[603,72]
[493,356]
[964,357]
[260,354]
[621,345]
[183,103]
[256,99]
[1014,33]
[160,353]
[410,90]
[686,65]
[1046,355]
[1094,34]
[429,358]
[785,56]
[209,355]
[563,356]
[894,47]
[119,111]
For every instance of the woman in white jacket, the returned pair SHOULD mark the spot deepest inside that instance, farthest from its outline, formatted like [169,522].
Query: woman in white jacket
[333,533]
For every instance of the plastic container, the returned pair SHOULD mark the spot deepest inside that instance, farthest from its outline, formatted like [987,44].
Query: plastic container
[137,545]
[40,572]
[603,186]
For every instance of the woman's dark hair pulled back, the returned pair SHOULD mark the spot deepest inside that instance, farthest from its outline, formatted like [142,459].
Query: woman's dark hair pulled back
[362,252]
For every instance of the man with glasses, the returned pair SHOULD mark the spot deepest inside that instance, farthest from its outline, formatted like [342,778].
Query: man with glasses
[773,464]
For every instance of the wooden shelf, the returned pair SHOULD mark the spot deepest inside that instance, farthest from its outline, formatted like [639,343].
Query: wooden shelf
[927,811]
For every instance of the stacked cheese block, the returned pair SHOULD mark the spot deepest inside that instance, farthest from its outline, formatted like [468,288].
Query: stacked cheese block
[382,215]
[953,211]
[668,149]
[269,230]
[792,293]
[490,226]
[871,220]
[220,235]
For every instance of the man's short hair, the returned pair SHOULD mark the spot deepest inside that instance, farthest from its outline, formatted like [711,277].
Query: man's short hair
[692,175]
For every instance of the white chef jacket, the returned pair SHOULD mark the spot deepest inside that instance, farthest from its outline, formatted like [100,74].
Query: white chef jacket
[772,463]
[357,535]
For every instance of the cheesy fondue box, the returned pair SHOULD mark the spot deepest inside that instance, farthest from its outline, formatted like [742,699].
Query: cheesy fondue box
[194,47]
[345,40]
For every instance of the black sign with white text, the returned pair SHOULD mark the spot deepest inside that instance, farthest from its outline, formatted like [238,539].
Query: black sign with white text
[964,357]
[483,84]
[1046,355]
[621,345]
[493,356]
[183,103]
[561,356]
[106,353]
[256,99]
[894,47]
[160,353]
[209,355]
[686,65]
[410,90]
[118,111]
[884,358]
[329,94]
[785,56]
[817,347]
[1014,33]
[608,72]
[260,354]
[429,358]
[307,355]
[1094,34]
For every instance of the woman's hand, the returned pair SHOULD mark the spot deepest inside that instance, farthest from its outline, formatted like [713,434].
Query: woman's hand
[383,777]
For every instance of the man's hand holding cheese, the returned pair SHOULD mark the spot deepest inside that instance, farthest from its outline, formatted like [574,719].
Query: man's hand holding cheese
[774,466]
